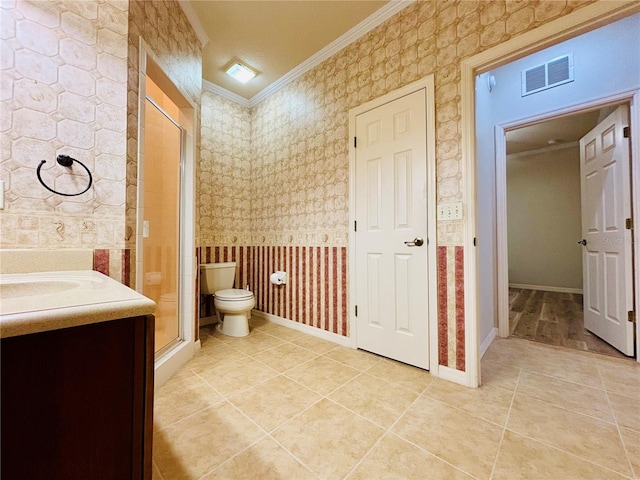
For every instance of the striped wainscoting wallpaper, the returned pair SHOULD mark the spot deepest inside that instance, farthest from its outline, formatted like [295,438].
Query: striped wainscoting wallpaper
[451,328]
[115,263]
[316,290]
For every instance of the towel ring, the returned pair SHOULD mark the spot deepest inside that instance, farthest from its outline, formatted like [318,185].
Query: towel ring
[65,161]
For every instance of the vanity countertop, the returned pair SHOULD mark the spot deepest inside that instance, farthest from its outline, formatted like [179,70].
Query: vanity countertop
[44,301]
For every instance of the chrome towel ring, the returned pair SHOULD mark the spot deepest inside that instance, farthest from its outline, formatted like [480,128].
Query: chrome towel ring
[65,161]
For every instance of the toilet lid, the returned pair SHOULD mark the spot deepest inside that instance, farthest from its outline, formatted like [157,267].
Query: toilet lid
[234,294]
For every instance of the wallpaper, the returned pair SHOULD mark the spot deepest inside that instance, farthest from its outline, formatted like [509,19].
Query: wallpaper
[63,91]
[299,145]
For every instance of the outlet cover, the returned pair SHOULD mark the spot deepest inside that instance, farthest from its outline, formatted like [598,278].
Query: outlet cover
[450,211]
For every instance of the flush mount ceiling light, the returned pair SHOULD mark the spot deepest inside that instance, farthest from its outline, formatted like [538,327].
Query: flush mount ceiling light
[240,72]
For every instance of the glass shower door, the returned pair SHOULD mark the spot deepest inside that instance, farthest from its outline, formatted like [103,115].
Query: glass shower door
[161,227]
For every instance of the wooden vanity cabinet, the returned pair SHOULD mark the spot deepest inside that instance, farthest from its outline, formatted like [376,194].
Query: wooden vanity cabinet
[77,403]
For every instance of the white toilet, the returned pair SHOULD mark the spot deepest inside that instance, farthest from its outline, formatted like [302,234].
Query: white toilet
[233,305]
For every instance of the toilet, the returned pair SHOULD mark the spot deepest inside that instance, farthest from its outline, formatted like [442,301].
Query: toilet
[233,305]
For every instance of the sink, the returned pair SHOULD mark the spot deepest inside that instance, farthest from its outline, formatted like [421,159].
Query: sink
[42,301]
[25,288]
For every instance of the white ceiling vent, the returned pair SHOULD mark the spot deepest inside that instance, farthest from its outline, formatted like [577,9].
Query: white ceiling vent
[551,74]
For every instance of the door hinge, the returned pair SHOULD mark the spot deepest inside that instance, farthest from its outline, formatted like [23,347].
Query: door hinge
[626,132]
[356,310]
[629,223]
[475,242]
[631,316]
[355,142]
[355,226]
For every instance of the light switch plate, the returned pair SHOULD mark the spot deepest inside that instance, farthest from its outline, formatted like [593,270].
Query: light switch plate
[450,211]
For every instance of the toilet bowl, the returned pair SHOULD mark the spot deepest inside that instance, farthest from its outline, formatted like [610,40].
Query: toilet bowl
[233,305]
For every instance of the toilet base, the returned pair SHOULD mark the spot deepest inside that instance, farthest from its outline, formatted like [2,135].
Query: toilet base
[234,325]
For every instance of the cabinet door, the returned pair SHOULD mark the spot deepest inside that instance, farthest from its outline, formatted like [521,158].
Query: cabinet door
[74,402]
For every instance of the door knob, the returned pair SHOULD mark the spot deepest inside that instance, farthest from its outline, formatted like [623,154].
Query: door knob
[582,242]
[417,242]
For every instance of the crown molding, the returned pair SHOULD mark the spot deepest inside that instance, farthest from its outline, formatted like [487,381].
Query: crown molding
[368,24]
[223,92]
[550,148]
[194,21]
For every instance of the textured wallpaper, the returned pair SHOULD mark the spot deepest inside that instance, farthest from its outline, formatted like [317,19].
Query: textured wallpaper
[63,91]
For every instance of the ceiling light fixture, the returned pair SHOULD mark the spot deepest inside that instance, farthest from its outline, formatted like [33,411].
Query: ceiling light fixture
[241,72]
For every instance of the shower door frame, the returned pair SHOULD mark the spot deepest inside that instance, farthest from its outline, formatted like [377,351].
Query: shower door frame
[176,353]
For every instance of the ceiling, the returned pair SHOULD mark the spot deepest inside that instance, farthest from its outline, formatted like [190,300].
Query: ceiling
[272,37]
[552,132]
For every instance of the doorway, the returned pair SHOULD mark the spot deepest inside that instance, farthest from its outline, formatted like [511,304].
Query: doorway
[549,211]
[165,240]
[392,210]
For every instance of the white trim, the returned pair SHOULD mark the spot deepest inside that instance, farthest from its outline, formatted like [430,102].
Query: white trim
[223,92]
[546,288]
[537,151]
[486,343]
[634,120]
[192,16]
[426,83]
[301,327]
[584,19]
[172,360]
[453,375]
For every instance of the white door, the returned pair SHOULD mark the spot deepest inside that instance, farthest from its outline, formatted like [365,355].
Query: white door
[606,204]
[391,215]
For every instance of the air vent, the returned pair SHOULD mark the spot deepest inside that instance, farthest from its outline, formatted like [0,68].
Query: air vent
[551,74]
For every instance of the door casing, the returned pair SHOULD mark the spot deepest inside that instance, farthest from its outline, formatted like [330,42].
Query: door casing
[582,20]
[426,83]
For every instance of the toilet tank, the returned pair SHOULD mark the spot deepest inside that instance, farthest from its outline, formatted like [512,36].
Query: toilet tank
[216,276]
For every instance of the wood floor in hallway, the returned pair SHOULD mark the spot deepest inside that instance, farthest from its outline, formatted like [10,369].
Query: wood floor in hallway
[553,318]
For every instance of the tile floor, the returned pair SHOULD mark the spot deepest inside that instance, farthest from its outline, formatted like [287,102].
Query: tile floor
[280,404]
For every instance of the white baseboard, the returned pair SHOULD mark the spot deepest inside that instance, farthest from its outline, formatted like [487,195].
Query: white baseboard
[452,375]
[545,288]
[486,343]
[301,327]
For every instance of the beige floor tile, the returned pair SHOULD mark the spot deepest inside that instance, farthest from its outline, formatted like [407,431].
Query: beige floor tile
[587,437]
[322,374]
[570,371]
[487,402]
[266,460]
[256,342]
[581,399]
[411,378]
[200,443]
[374,398]
[233,378]
[328,439]
[272,403]
[626,410]
[358,359]
[178,400]
[285,357]
[631,440]
[498,375]
[621,378]
[314,344]
[284,333]
[214,357]
[395,458]
[155,472]
[467,442]
[526,459]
